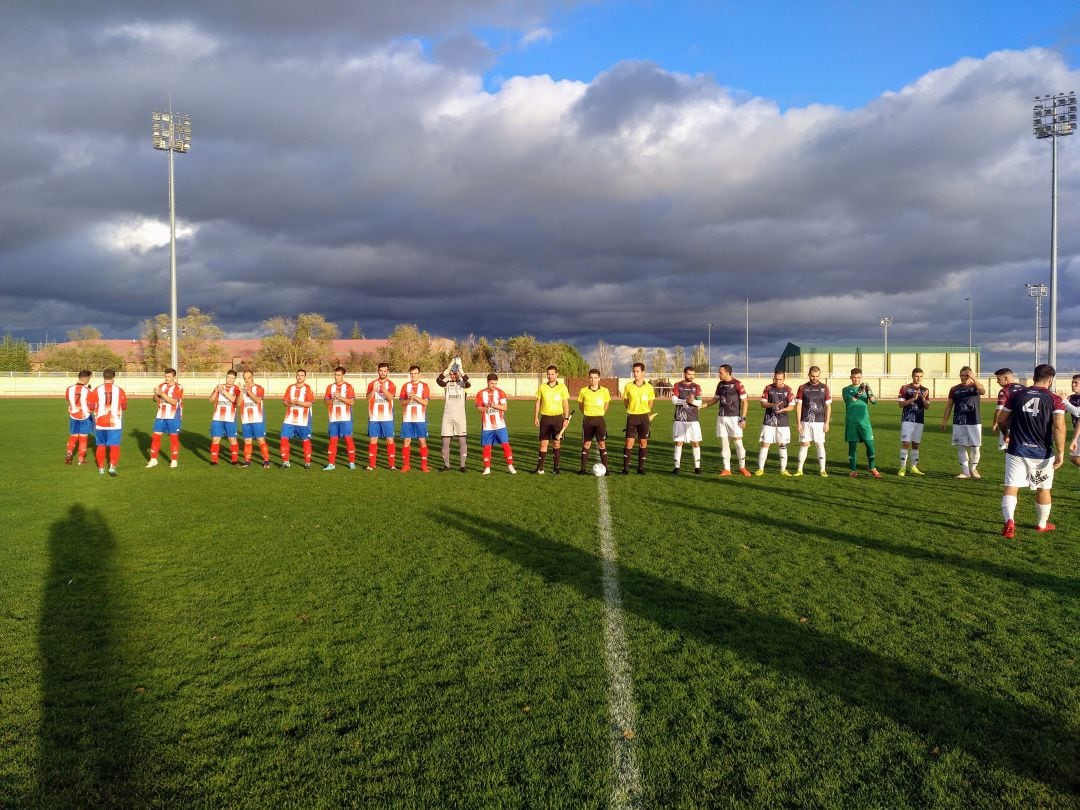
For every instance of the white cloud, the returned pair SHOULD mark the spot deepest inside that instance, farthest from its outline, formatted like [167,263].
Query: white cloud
[536,36]
[175,39]
[139,235]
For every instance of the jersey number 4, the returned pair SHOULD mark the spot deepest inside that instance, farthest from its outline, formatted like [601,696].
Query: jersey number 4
[1032,407]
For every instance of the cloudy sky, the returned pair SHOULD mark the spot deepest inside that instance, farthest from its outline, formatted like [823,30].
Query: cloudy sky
[627,170]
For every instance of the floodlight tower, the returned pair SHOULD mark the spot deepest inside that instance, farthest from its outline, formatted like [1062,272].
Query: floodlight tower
[1038,292]
[172,133]
[1053,117]
[886,322]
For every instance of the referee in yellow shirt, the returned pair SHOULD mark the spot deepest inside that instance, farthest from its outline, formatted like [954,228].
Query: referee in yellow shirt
[594,400]
[551,413]
[638,397]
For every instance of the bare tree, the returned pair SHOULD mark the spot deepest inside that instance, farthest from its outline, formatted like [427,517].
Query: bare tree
[700,359]
[678,360]
[604,360]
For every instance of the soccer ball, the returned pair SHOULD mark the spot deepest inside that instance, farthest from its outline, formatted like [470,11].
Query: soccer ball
[599,469]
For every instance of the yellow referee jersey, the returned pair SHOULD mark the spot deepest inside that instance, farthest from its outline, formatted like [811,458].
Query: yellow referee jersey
[593,403]
[639,398]
[552,398]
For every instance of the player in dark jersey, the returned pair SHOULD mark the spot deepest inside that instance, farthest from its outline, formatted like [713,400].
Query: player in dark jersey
[963,404]
[777,399]
[1035,419]
[1009,386]
[813,408]
[1072,405]
[730,421]
[913,399]
[686,396]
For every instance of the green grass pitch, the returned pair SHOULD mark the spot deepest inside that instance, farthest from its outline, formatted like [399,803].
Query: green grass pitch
[246,637]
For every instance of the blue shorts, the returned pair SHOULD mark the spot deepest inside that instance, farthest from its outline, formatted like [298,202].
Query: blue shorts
[489,437]
[414,430]
[220,428]
[253,430]
[108,438]
[296,432]
[339,430]
[380,430]
[80,427]
[169,426]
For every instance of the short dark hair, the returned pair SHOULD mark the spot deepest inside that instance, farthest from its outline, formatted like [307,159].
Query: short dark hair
[1076,376]
[917,370]
[726,367]
[108,374]
[687,368]
[414,367]
[966,368]
[85,374]
[595,371]
[639,365]
[1001,371]
[170,371]
[302,371]
[855,370]
[231,372]
[492,376]
[385,365]
[814,368]
[1044,372]
[341,369]
[552,368]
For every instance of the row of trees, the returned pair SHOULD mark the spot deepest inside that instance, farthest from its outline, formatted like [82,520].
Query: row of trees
[661,364]
[304,341]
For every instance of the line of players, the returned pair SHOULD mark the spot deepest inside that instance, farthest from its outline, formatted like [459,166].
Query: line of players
[101,411]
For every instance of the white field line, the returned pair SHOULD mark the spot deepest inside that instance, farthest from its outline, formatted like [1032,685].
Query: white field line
[627,791]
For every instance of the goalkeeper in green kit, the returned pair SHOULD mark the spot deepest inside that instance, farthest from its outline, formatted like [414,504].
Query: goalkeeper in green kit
[858,398]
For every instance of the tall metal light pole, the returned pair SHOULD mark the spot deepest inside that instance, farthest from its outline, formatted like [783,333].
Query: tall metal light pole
[709,354]
[747,336]
[886,322]
[172,133]
[1053,117]
[969,330]
[1038,292]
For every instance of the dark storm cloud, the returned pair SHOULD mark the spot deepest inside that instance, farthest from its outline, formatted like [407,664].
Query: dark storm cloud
[372,182]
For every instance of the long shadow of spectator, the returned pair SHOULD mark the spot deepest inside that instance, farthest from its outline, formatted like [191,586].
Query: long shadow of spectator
[997,731]
[87,740]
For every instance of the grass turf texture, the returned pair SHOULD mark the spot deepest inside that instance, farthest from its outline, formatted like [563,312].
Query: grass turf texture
[218,636]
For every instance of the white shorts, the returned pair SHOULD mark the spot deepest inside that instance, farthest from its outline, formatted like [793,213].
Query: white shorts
[812,432]
[686,431]
[967,435]
[911,432]
[775,435]
[1034,473]
[728,426]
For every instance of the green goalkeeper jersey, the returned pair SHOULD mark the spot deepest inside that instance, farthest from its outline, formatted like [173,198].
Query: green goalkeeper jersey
[857,403]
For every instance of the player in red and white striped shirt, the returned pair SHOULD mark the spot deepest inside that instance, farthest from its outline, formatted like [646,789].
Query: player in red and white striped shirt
[380,397]
[340,397]
[416,395]
[224,396]
[491,402]
[298,400]
[79,422]
[253,419]
[108,402]
[169,397]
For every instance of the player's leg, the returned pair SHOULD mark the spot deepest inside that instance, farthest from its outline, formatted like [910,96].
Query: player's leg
[463,452]
[423,452]
[871,453]
[852,454]
[913,457]
[82,447]
[215,449]
[446,451]
[974,455]
[542,454]
[556,452]
[905,450]
[485,448]
[804,449]
[962,457]
[781,451]
[642,453]
[406,452]
[763,455]
[372,451]
[174,447]
[234,449]
[678,456]
[627,449]
[1042,510]
[695,449]
[391,449]
[73,439]
[331,450]
[585,447]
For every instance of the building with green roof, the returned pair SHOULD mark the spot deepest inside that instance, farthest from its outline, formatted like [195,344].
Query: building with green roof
[935,359]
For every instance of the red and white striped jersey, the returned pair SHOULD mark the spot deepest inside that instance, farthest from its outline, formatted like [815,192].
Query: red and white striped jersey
[251,412]
[414,411]
[491,419]
[339,411]
[164,409]
[380,401]
[108,403]
[299,413]
[224,409]
[77,396]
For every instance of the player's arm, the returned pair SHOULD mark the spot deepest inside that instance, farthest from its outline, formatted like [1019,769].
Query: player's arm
[251,392]
[828,409]
[350,396]
[500,406]
[1059,438]
[948,412]
[1073,443]
[765,401]
[565,404]
[123,400]
[1003,421]
[798,406]
[479,402]
[744,406]
[536,409]
[171,400]
[978,386]
[1072,410]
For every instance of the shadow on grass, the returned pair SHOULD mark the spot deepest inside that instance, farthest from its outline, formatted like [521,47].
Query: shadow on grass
[1028,579]
[87,741]
[998,732]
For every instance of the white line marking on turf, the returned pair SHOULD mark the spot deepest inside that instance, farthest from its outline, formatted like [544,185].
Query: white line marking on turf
[617,661]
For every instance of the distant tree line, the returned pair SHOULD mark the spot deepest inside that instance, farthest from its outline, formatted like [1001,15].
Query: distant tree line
[303,341]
